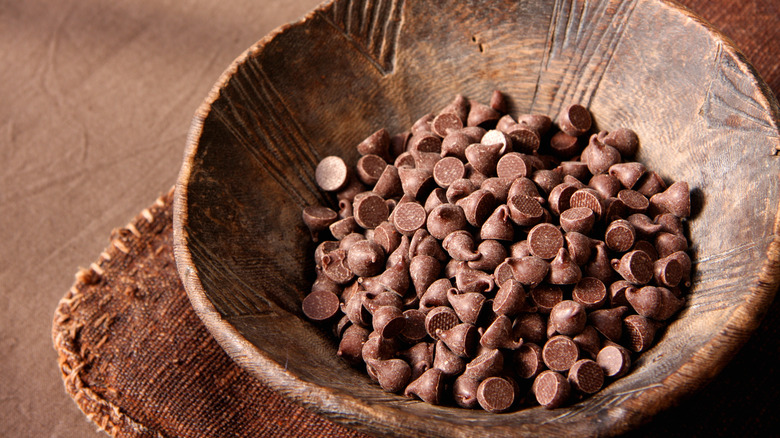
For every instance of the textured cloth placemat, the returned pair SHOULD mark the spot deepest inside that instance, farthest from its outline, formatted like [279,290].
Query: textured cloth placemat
[139,363]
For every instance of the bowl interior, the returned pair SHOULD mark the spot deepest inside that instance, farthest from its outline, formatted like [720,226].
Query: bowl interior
[319,86]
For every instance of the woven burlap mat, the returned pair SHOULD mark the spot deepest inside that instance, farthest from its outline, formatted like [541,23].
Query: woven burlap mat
[139,363]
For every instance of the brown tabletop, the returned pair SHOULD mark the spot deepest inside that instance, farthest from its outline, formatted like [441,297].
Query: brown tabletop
[95,103]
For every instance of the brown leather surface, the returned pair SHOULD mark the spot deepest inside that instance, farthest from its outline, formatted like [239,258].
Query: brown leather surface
[95,103]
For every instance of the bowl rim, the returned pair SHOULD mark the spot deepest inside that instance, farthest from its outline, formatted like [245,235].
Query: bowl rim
[700,369]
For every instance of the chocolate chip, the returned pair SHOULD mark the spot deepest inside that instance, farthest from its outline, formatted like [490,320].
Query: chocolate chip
[528,360]
[524,186]
[498,225]
[369,168]
[498,101]
[491,252]
[318,218]
[499,334]
[540,123]
[477,206]
[575,120]
[420,358]
[455,143]
[640,332]
[388,321]
[575,169]
[668,243]
[551,389]
[524,139]
[658,303]
[416,183]
[332,174]
[429,387]
[495,394]
[545,297]
[624,140]
[667,271]
[320,305]
[634,201]
[503,272]
[513,165]
[464,391]
[461,339]
[590,292]
[366,258]
[392,374]
[586,376]
[448,170]
[467,305]
[370,211]
[351,344]
[599,156]
[409,217]
[520,249]
[447,361]
[560,353]
[496,137]
[423,271]
[460,246]
[614,360]
[440,319]
[436,198]
[670,223]
[588,341]
[547,179]
[560,196]
[445,219]
[599,265]
[635,267]
[650,183]
[473,280]
[568,318]
[627,173]
[524,210]
[505,123]
[530,270]
[481,114]
[499,187]
[489,363]
[685,264]
[510,298]
[563,270]
[436,295]
[544,240]
[458,106]
[620,235]
[588,198]
[578,219]
[334,265]
[377,143]
[446,123]
[484,157]
[579,246]
[564,145]
[530,327]
[675,200]
[607,185]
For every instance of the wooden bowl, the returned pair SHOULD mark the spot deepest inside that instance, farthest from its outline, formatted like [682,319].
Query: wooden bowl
[319,86]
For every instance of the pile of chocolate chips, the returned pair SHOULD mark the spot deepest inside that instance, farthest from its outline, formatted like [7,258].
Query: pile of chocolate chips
[497,263]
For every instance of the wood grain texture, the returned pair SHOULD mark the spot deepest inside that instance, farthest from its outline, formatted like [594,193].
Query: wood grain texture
[319,86]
